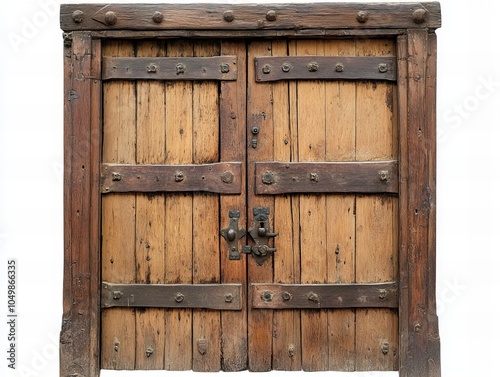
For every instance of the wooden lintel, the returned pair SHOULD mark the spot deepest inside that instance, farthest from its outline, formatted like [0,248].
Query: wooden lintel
[274,68]
[324,296]
[250,16]
[199,296]
[222,178]
[169,68]
[331,177]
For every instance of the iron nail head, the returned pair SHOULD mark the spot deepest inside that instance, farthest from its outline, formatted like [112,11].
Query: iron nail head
[383,67]
[77,16]
[228,15]
[286,67]
[110,18]
[362,16]
[157,17]
[339,67]
[271,15]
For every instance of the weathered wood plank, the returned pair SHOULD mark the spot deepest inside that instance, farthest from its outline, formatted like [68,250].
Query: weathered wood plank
[325,68]
[150,213]
[259,114]
[200,296]
[340,228]
[179,213]
[245,16]
[234,340]
[118,216]
[286,323]
[324,296]
[206,257]
[193,68]
[214,177]
[311,113]
[326,177]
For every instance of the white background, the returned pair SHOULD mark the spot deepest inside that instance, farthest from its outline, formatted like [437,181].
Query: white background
[31,210]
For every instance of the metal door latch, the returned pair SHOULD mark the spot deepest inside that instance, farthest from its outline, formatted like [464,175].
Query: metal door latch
[232,234]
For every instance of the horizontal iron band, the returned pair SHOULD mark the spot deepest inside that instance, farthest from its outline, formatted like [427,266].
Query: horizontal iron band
[199,296]
[324,296]
[170,68]
[274,178]
[274,68]
[222,178]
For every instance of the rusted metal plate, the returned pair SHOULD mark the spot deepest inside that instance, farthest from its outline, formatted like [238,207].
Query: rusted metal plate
[324,296]
[318,16]
[200,296]
[326,177]
[222,178]
[274,68]
[185,68]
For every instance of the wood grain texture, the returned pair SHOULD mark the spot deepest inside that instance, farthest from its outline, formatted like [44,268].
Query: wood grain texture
[376,223]
[259,114]
[118,216]
[247,16]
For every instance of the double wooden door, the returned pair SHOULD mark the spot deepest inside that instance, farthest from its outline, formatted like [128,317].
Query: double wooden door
[249,205]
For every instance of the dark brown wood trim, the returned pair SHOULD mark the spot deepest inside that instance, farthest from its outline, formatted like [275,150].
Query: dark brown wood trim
[198,296]
[223,178]
[186,68]
[333,177]
[324,296]
[257,16]
[419,337]
[79,351]
[274,68]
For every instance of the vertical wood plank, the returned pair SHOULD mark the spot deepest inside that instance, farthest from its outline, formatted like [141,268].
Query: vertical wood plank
[311,132]
[287,353]
[150,214]
[206,258]
[340,232]
[76,352]
[259,113]
[118,215]
[179,214]
[233,148]
[376,253]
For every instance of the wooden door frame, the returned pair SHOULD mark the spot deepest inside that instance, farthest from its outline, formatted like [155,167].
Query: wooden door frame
[412,24]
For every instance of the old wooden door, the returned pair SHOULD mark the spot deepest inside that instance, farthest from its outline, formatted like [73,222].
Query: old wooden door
[249,199]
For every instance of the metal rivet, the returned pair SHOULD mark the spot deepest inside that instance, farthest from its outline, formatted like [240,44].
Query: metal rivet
[271,15]
[267,178]
[266,296]
[77,16]
[383,175]
[362,16]
[266,69]
[227,177]
[382,294]
[286,296]
[312,67]
[110,18]
[286,67]
[311,296]
[116,176]
[152,68]
[231,235]
[385,348]
[180,68]
[202,346]
[228,15]
[224,68]
[255,130]
[116,345]
[417,327]
[339,67]
[149,352]
[419,16]
[179,297]
[179,176]
[157,17]
[229,298]
[117,295]
[382,67]
[291,350]
[233,115]
[314,177]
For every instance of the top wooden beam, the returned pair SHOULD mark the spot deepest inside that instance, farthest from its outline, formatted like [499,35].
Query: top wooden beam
[315,16]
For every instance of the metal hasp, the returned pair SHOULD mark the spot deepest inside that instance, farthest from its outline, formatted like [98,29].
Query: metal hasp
[232,234]
[260,234]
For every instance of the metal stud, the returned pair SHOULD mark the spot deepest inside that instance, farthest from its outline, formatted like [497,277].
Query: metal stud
[110,18]
[271,15]
[179,176]
[227,177]
[311,296]
[179,297]
[313,67]
[383,67]
[266,296]
[228,15]
[229,298]
[77,16]
[266,69]
[382,294]
[117,295]
[419,15]
[180,69]
[267,178]
[286,67]
[224,68]
[149,352]
[385,348]
[339,67]
[314,177]
[383,175]
[286,296]
[116,176]
[157,17]
[362,16]
[152,68]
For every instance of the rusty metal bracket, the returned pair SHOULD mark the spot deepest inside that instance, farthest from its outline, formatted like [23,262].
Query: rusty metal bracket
[232,234]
